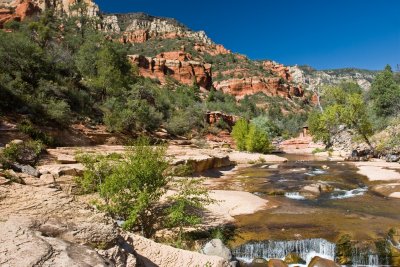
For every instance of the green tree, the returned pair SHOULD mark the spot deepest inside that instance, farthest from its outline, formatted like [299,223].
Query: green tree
[348,109]
[385,93]
[134,188]
[239,133]
[191,197]
[257,140]
[130,184]
[267,125]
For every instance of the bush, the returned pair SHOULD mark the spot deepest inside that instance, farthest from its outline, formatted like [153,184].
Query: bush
[26,153]
[97,169]
[135,185]
[239,133]
[36,134]
[250,137]
[191,197]
[257,140]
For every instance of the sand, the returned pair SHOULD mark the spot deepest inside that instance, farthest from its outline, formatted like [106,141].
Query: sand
[395,195]
[233,203]
[379,170]
[246,158]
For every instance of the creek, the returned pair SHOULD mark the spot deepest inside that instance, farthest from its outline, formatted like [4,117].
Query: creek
[314,204]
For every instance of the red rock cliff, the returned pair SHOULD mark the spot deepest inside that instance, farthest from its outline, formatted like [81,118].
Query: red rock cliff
[177,65]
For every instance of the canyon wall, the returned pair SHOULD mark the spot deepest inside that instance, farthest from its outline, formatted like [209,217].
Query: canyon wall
[177,65]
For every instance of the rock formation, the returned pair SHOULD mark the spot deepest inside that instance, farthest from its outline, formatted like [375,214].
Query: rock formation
[42,226]
[140,27]
[18,10]
[177,65]
[271,86]
[213,117]
[313,79]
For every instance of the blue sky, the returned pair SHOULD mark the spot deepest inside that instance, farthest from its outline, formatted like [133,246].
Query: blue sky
[320,33]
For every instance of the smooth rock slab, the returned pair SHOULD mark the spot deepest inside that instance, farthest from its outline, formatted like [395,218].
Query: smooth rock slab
[216,247]
[62,169]
[66,159]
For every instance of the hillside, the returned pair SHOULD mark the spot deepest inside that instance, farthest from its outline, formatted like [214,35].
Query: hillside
[312,78]
[154,75]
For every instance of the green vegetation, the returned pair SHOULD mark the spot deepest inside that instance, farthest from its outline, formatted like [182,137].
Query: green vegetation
[385,94]
[343,107]
[365,113]
[250,137]
[131,185]
[26,153]
[190,198]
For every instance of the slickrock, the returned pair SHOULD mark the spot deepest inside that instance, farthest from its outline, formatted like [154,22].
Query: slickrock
[62,169]
[232,203]
[44,226]
[245,158]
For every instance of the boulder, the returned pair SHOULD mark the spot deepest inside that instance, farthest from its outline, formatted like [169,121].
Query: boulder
[392,158]
[321,262]
[66,159]
[216,247]
[276,263]
[47,178]
[259,262]
[294,258]
[25,169]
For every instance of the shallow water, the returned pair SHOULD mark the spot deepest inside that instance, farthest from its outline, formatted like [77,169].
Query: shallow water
[346,207]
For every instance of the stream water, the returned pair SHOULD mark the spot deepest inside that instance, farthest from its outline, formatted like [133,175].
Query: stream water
[313,203]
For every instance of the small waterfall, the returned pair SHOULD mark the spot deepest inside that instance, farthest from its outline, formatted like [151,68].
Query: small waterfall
[306,249]
[366,258]
[371,260]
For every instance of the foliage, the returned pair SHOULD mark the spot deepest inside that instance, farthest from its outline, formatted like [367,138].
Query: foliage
[250,137]
[343,108]
[97,169]
[135,185]
[24,153]
[267,125]
[385,93]
[239,133]
[36,134]
[257,140]
[190,199]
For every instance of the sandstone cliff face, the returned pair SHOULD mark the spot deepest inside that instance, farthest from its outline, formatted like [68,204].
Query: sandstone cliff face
[177,65]
[313,79]
[18,10]
[274,80]
[271,86]
[139,27]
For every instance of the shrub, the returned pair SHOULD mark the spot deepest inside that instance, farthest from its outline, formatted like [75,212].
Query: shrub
[257,140]
[191,197]
[25,153]
[250,137]
[130,187]
[58,110]
[97,169]
[36,134]
[239,133]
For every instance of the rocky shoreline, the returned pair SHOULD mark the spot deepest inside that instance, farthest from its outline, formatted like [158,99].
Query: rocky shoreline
[67,231]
